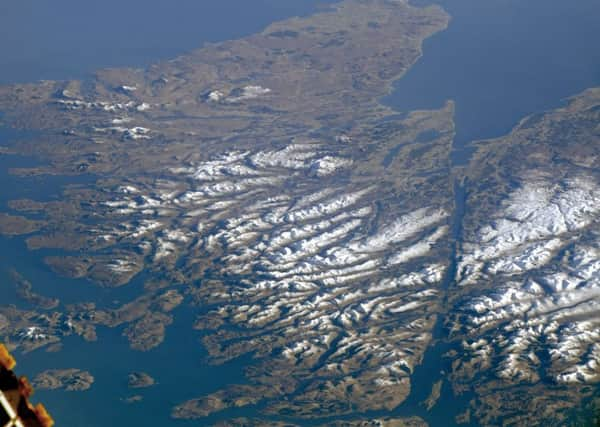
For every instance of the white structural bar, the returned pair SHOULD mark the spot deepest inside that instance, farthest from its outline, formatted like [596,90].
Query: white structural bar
[14,418]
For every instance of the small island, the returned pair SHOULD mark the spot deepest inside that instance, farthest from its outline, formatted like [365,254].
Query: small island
[140,380]
[67,379]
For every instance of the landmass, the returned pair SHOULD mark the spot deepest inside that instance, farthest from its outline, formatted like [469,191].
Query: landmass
[278,166]
[68,379]
[133,399]
[261,183]
[434,396]
[139,380]
[25,291]
[376,422]
[528,279]
[14,225]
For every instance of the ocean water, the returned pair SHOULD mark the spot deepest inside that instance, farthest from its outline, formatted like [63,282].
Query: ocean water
[178,365]
[67,39]
[64,39]
[499,60]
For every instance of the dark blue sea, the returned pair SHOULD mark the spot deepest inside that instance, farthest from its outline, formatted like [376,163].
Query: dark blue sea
[499,60]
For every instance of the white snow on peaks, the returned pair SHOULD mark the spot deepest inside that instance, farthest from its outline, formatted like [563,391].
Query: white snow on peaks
[312,256]
[559,308]
[137,132]
[557,302]
[219,168]
[327,207]
[402,229]
[128,189]
[237,95]
[77,104]
[121,266]
[525,234]
[253,91]
[312,198]
[165,247]
[531,256]
[133,133]
[121,120]
[293,156]
[215,96]
[33,333]
[343,138]
[328,165]
[250,92]
[418,249]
